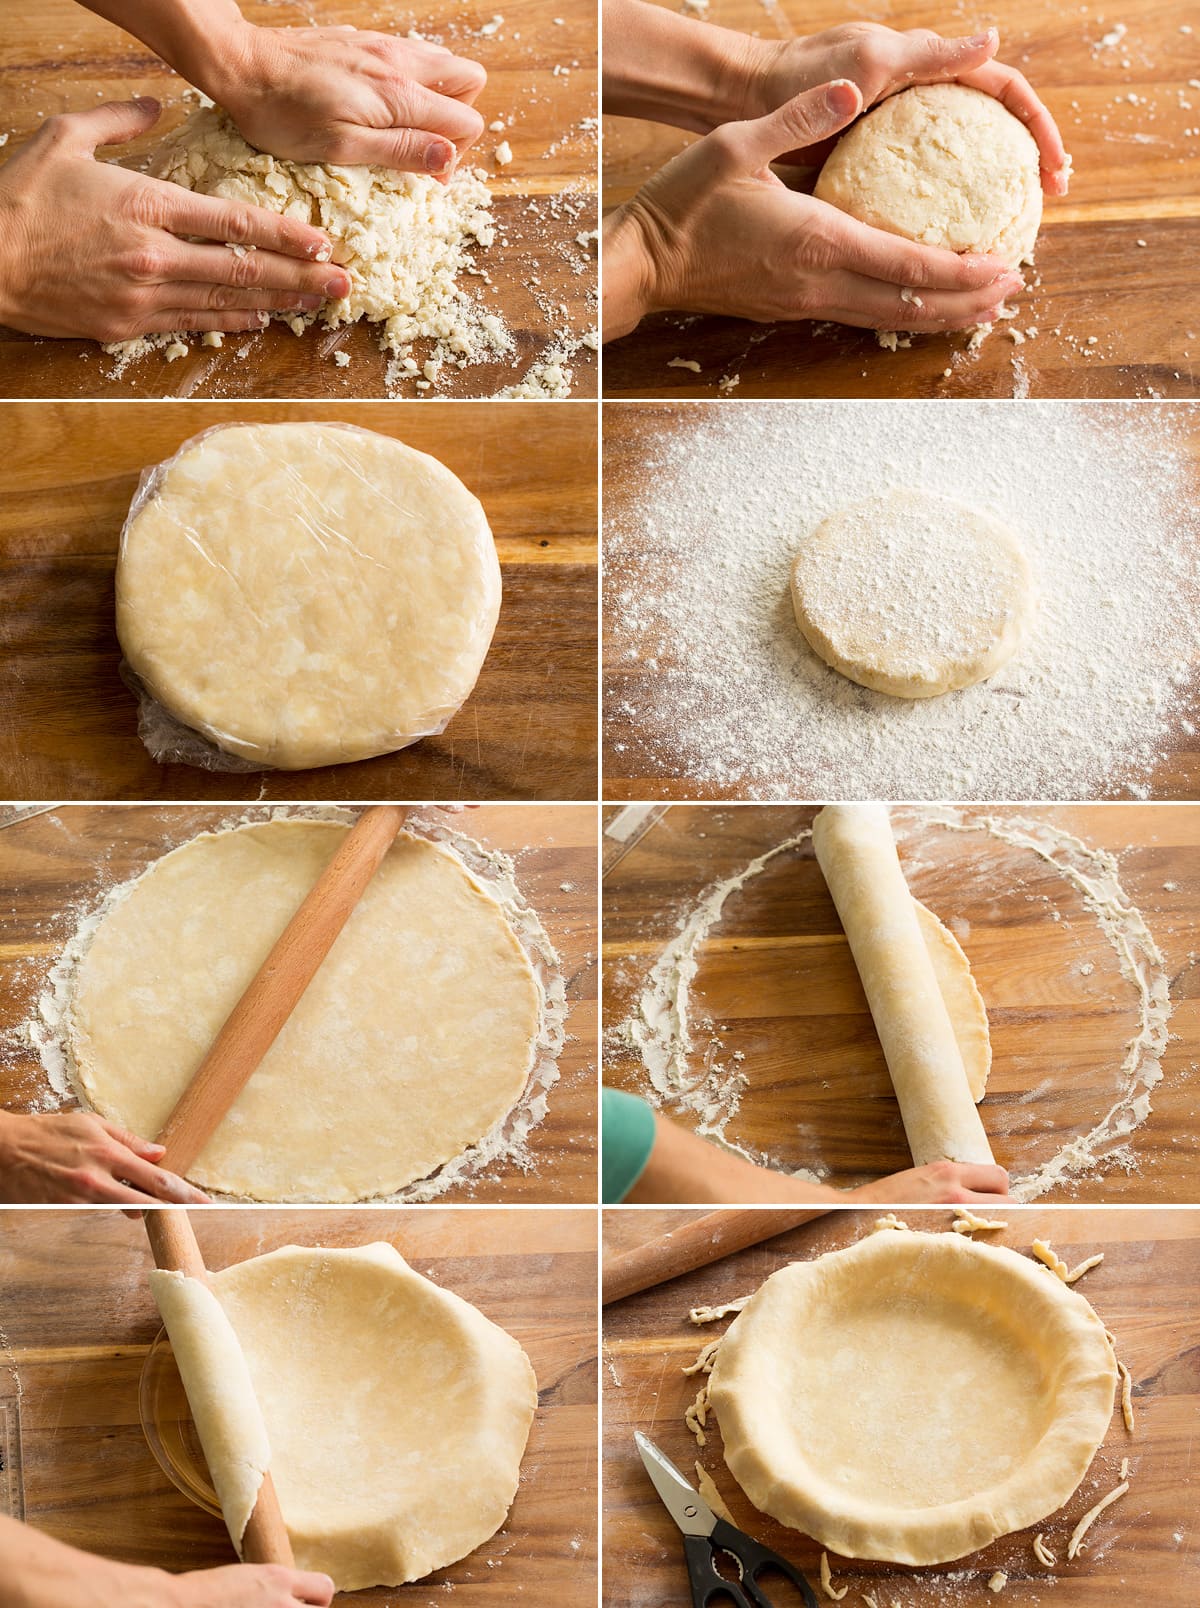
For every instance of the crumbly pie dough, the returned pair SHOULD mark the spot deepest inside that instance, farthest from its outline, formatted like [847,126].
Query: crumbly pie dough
[413,1039]
[306,594]
[943,164]
[913,1397]
[913,594]
[393,1414]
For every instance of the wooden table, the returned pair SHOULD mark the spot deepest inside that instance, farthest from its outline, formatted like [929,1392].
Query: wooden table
[55,865]
[80,1319]
[68,724]
[1136,179]
[541,75]
[633,747]
[1143,1547]
[778,980]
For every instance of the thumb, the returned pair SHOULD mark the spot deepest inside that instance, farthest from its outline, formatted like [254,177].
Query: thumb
[948,57]
[113,123]
[806,119]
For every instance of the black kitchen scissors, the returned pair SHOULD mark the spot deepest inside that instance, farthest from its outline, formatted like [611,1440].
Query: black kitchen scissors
[705,1535]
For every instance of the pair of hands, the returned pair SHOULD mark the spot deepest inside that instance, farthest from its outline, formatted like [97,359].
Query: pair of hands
[717,231]
[91,249]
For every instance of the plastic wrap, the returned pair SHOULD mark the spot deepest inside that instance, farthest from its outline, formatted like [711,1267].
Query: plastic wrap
[301,594]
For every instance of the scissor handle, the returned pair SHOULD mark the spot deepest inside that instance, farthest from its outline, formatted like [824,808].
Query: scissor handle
[753,1559]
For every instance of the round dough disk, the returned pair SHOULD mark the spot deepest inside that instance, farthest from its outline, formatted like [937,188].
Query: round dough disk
[913,1397]
[413,1039]
[944,165]
[912,594]
[306,594]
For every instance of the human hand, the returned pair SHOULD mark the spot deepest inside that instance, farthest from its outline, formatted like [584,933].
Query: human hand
[715,231]
[76,1158]
[344,96]
[938,1183]
[249,1586]
[91,249]
[882,61]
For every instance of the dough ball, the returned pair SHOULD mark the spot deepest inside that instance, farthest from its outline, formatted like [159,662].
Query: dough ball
[414,1038]
[944,165]
[912,594]
[307,594]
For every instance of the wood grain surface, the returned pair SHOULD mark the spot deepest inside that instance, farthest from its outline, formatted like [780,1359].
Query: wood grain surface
[56,866]
[1115,304]
[776,984]
[1143,1548]
[637,754]
[57,57]
[79,1319]
[68,723]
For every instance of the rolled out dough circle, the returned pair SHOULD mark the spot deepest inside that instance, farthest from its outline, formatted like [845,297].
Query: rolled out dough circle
[942,164]
[913,1397]
[415,1037]
[912,594]
[305,594]
[963,1001]
[395,1413]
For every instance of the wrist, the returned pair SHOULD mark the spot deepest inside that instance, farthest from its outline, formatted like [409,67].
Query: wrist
[740,78]
[629,271]
[212,46]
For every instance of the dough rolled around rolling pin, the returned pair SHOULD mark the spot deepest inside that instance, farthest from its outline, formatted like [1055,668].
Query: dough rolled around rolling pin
[857,853]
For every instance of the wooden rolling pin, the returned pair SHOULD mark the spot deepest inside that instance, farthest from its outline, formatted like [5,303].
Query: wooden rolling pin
[174,1248]
[705,1239]
[257,1019]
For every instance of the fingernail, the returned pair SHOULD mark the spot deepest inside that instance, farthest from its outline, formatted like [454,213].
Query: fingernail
[147,103]
[337,285]
[321,253]
[977,41]
[151,1145]
[438,156]
[841,97]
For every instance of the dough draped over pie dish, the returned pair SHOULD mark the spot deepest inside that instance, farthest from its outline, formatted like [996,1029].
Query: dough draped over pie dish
[414,1038]
[913,594]
[942,164]
[306,594]
[397,1414]
[912,1397]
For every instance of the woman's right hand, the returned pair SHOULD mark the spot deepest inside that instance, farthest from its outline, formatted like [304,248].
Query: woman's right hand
[91,249]
[938,1183]
[716,231]
[250,1586]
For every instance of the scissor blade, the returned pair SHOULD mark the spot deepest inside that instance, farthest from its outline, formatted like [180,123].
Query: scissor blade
[686,1506]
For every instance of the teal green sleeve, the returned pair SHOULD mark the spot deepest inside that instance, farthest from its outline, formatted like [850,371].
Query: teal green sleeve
[628,1139]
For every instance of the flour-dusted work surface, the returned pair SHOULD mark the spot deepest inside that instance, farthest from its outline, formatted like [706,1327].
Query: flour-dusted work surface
[69,723]
[1111,309]
[535,863]
[80,1322]
[1142,1543]
[713,691]
[537,276]
[732,1001]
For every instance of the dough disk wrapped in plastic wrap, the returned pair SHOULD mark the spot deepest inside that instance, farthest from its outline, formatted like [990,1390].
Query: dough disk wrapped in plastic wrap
[301,594]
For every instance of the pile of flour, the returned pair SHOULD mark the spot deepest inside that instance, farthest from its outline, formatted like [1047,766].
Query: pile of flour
[722,690]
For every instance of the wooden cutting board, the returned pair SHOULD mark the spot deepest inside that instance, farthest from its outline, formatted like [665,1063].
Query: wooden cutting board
[1143,1548]
[55,866]
[79,1320]
[632,434]
[1135,180]
[68,724]
[541,81]
[777,978]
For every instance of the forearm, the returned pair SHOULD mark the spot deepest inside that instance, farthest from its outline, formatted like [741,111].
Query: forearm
[685,1169]
[201,39]
[39,1572]
[669,69]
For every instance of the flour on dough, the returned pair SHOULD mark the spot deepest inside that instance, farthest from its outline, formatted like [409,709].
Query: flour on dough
[942,164]
[403,238]
[913,594]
